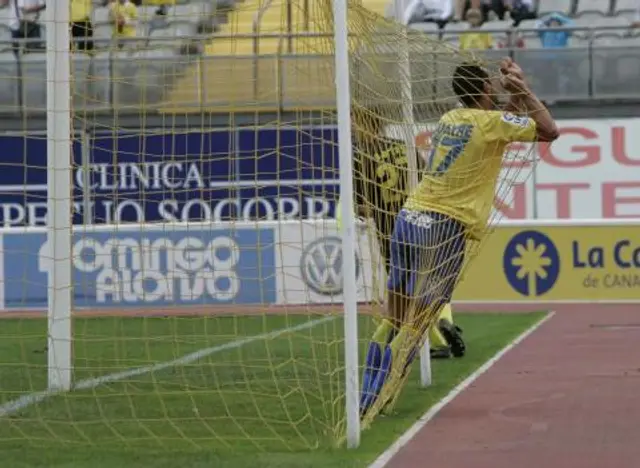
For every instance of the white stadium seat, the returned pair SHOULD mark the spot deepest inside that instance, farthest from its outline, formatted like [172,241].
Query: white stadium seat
[550,6]
[626,5]
[602,7]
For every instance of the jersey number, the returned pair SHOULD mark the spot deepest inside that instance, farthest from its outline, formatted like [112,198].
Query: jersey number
[456,147]
[389,176]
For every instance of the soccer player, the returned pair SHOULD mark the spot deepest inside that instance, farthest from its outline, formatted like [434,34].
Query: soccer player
[381,182]
[449,210]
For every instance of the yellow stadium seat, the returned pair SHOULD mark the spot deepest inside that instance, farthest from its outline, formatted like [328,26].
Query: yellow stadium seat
[230,73]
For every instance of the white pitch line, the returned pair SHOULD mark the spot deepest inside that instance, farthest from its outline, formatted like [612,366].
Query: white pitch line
[405,438]
[18,404]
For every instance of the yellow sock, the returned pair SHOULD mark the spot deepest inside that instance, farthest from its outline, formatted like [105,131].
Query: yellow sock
[405,338]
[436,340]
[446,313]
[382,332]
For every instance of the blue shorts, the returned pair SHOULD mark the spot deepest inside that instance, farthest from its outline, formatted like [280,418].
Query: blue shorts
[427,253]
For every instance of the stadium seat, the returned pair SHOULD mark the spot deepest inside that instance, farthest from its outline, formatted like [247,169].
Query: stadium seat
[616,40]
[5,33]
[629,15]
[604,39]
[601,22]
[8,81]
[82,92]
[175,29]
[147,13]
[34,90]
[5,13]
[101,78]
[593,8]
[528,24]
[580,41]
[551,6]
[101,15]
[425,27]
[626,5]
[195,12]
[103,32]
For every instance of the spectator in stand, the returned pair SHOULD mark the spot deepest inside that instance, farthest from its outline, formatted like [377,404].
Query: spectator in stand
[520,10]
[162,5]
[429,11]
[81,26]
[550,36]
[487,7]
[124,16]
[24,22]
[475,39]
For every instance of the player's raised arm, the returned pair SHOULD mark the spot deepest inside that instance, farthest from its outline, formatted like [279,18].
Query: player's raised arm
[524,99]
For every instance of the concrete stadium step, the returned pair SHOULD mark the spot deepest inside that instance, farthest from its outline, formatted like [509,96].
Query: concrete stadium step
[231,77]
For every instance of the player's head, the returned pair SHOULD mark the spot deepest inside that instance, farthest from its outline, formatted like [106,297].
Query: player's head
[472,85]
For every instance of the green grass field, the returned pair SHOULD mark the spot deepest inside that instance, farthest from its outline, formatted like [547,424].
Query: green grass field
[253,394]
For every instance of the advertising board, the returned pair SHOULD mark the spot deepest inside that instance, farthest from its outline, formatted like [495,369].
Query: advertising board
[312,262]
[131,267]
[291,173]
[301,263]
[267,263]
[569,262]
[150,176]
[588,173]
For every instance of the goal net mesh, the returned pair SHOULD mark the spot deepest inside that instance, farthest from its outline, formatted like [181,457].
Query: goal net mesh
[207,271]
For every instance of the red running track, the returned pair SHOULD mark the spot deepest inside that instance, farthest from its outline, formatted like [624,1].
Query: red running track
[568,396]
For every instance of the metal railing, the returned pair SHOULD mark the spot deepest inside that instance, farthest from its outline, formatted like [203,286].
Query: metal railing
[137,76]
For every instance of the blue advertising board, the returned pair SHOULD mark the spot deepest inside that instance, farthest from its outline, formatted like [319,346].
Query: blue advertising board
[150,176]
[147,268]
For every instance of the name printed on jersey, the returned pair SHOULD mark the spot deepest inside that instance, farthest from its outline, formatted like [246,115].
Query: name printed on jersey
[513,119]
[417,218]
[455,131]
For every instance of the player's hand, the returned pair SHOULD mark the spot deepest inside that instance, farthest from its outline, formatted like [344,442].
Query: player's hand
[505,64]
[509,67]
[514,84]
[512,77]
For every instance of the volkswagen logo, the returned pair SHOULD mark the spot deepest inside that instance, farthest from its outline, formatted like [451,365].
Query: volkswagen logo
[321,265]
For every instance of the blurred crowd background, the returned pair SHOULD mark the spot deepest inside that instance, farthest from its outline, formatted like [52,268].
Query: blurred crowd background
[130,52]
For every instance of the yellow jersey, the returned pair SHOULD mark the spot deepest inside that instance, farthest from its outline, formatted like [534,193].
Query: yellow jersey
[130,13]
[464,163]
[476,41]
[80,10]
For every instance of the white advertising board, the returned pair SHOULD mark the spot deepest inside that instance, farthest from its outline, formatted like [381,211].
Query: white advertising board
[289,262]
[590,172]
[310,264]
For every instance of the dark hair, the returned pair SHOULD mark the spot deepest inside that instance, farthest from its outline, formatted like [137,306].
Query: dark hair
[468,83]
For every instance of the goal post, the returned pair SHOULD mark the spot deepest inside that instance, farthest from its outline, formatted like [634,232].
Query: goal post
[343,103]
[59,187]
